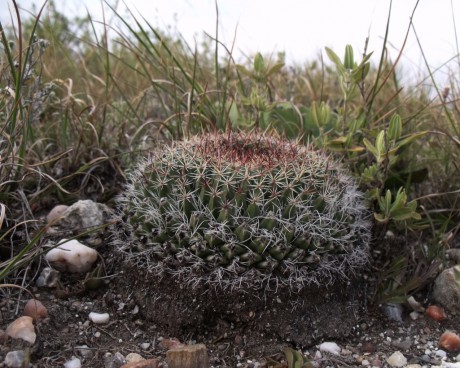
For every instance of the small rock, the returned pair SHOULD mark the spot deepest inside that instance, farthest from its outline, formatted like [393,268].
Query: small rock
[15,359]
[146,363]
[449,341]
[133,357]
[397,359]
[114,360]
[415,305]
[73,363]
[436,313]
[35,309]
[393,311]
[22,328]
[56,213]
[82,215]
[453,254]
[447,365]
[145,345]
[403,345]
[413,366]
[329,347]
[446,290]
[376,362]
[414,315]
[72,256]
[49,277]
[84,351]
[440,354]
[99,318]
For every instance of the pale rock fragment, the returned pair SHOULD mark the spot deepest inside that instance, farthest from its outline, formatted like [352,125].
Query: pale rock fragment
[397,359]
[99,318]
[73,363]
[330,347]
[72,256]
[22,328]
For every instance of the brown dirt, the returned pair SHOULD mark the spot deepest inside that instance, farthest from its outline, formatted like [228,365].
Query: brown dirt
[236,326]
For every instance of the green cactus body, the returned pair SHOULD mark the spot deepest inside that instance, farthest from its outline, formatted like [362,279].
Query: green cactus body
[241,209]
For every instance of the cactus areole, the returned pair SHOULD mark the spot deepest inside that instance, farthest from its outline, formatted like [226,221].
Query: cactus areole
[244,209]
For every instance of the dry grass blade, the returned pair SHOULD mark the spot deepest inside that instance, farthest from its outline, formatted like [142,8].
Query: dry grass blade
[2,214]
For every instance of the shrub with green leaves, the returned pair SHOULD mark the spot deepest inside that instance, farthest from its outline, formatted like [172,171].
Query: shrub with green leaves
[244,209]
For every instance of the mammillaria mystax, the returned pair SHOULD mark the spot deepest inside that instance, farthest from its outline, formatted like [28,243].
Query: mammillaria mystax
[243,209]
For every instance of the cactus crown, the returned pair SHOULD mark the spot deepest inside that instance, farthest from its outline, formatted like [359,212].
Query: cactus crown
[244,209]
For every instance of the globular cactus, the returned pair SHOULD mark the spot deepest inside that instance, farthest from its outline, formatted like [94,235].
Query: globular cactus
[244,209]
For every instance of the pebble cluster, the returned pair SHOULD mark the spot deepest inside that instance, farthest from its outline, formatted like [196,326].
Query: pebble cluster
[402,345]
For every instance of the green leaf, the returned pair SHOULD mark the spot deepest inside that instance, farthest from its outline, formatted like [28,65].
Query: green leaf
[387,200]
[360,72]
[400,200]
[259,64]
[349,61]
[335,59]
[395,127]
[405,213]
[370,147]
[275,69]
[380,146]
[243,70]
[380,218]
[411,138]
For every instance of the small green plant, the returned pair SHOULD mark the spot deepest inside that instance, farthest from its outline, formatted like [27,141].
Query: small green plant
[377,151]
[294,359]
[243,209]
[259,99]
[397,209]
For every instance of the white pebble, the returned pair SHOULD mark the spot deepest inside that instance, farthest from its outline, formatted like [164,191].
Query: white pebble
[145,345]
[73,363]
[14,359]
[330,347]
[440,354]
[99,318]
[397,359]
[72,256]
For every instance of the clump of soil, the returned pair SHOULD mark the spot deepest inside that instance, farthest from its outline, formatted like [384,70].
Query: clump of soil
[262,319]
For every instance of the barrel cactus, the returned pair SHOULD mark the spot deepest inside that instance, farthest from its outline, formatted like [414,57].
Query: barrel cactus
[243,209]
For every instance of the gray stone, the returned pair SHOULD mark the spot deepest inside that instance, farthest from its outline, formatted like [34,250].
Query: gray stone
[397,359]
[15,359]
[446,290]
[114,360]
[49,277]
[82,215]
